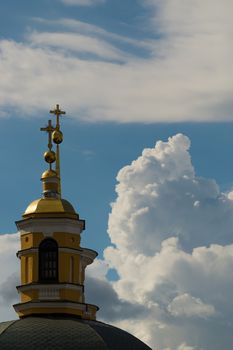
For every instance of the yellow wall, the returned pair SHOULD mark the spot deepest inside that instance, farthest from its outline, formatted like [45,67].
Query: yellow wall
[31,240]
[64,268]
[63,239]
[29,295]
[68,240]
[71,295]
[29,268]
[29,273]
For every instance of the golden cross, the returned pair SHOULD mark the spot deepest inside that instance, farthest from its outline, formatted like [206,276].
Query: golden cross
[49,129]
[58,112]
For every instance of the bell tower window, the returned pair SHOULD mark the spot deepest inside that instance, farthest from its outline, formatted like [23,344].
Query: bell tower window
[48,260]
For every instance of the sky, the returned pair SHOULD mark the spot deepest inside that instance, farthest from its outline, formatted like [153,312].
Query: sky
[147,155]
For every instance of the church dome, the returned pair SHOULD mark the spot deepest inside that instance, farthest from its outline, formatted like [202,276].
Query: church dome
[65,332]
[46,206]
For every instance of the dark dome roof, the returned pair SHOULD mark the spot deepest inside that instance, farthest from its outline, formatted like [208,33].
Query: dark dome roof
[64,333]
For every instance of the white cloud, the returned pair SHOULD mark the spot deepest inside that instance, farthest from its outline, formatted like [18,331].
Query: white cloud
[77,43]
[162,181]
[180,75]
[173,256]
[98,270]
[186,305]
[84,28]
[112,308]
[185,347]
[83,2]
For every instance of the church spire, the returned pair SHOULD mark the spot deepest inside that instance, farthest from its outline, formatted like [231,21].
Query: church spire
[52,261]
[54,136]
[49,177]
[49,155]
[57,139]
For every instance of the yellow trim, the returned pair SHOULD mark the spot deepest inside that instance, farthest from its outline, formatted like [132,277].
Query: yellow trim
[29,268]
[63,239]
[29,295]
[64,268]
[65,294]
[85,311]
[61,310]
[71,295]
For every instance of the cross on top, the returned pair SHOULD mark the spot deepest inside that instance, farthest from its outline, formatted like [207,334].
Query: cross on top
[58,112]
[49,129]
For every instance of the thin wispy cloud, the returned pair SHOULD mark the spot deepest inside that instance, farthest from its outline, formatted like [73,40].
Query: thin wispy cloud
[77,26]
[83,2]
[76,43]
[180,75]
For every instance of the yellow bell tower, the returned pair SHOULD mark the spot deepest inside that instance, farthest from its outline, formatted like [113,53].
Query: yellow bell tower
[52,261]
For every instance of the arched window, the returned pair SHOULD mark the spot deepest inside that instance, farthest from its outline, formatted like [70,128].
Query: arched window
[48,260]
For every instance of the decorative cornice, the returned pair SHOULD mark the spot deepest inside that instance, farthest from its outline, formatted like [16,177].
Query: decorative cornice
[88,255]
[54,305]
[26,252]
[50,225]
[38,286]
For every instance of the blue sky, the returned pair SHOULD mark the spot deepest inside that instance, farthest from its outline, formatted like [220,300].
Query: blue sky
[91,156]
[100,150]
[128,73]
[122,18]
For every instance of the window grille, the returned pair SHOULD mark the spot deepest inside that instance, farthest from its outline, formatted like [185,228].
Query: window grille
[48,261]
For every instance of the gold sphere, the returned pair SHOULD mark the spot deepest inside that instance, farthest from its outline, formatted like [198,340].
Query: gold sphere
[57,136]
[50,156]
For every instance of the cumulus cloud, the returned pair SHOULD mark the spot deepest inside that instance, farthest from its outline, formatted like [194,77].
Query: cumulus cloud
[179,72]
[83,2]
[186,305]
[162,181]
[101,292]
[173,250]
